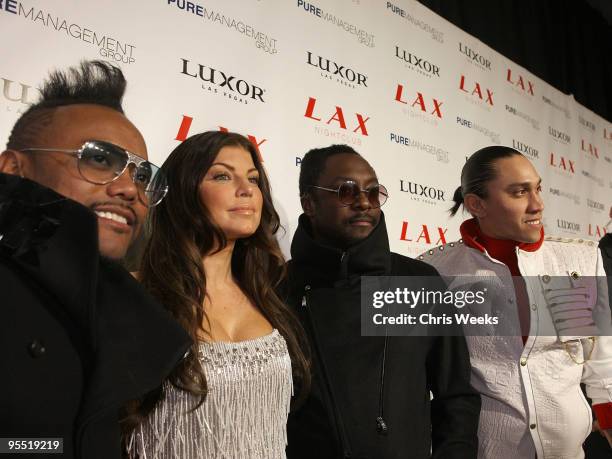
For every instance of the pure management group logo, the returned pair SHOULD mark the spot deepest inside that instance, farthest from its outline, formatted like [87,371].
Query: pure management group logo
[109,47]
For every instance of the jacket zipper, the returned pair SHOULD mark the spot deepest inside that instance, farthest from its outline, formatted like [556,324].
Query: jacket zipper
[346,452]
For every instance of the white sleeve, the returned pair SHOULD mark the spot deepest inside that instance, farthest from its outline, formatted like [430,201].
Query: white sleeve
[597,371]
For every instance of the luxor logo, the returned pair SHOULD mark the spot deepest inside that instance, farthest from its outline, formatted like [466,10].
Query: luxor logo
[416,61]
[571,226]
[524,148]
[336,69]
[474,56]
[559,135]
[17,92]
[422,190]
[223,80]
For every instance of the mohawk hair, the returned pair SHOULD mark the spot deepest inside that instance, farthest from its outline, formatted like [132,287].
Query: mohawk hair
[91,82]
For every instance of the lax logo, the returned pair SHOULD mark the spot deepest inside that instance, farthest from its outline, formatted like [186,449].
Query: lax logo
[520,82]
[338,118]
[597,231]
[562,163]
[183,133]
[589,149]
[424,234]
[477,91]
[420,102]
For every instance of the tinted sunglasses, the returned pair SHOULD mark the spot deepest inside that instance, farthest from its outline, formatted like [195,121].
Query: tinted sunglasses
[348,192]
[102,162]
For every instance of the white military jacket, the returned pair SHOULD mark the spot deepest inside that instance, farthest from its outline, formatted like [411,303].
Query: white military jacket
[531,397]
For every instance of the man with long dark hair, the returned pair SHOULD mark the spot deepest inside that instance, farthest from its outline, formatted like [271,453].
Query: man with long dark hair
[370,395]
[551,292]
[78,336]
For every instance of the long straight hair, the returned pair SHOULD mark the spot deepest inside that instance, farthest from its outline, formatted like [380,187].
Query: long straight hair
[182,231]
[477,171]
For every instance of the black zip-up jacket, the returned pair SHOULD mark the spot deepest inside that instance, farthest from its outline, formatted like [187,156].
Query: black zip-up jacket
[605,244]
[370,396]
[79,336]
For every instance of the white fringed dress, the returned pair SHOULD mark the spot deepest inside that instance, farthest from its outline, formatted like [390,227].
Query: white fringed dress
[244,414]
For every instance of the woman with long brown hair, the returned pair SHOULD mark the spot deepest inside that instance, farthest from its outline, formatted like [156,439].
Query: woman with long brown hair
[213,261]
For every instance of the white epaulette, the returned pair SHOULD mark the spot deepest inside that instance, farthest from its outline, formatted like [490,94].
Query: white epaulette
[587,242]
[441,248]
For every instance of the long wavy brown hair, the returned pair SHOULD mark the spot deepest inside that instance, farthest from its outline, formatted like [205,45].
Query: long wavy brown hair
[181,232]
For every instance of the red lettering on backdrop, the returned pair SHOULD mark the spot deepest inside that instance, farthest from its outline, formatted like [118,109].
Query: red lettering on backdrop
[599,231]
[398,94]
[310,109]
[252,139]
[424,234]
[563,164]
[184,128]
[420,101]
[477,91]
[338,117]
[520,82]
[183,133]
[591,149]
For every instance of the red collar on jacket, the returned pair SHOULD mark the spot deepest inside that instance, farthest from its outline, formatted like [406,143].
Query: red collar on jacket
[500,249]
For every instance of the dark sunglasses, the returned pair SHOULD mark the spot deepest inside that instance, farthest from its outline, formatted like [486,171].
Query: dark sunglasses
[102,162]
[348,192]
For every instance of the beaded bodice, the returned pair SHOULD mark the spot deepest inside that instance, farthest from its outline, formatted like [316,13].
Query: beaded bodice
[244,414]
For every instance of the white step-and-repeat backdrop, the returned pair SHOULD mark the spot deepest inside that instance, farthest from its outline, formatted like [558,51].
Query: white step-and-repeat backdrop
[411,92]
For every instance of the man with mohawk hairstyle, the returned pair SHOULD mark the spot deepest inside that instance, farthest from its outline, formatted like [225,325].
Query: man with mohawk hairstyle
[79,336]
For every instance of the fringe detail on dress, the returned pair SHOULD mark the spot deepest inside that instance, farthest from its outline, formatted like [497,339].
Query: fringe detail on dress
[244,414]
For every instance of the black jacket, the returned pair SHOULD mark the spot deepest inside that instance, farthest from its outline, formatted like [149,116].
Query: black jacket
[78,335]
[605,244]
[339,419]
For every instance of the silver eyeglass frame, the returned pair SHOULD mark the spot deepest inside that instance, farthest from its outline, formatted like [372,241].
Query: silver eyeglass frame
[134,159]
